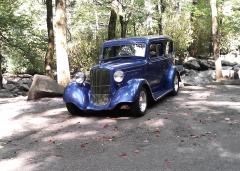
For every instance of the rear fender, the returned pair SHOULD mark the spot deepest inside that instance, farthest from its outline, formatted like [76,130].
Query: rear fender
[172,71]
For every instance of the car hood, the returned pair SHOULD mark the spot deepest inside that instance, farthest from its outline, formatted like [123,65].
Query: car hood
[122,64]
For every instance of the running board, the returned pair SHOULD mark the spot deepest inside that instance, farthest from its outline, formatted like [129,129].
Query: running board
[160,94]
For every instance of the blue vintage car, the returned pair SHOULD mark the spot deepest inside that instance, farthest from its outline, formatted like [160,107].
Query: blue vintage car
[132,72]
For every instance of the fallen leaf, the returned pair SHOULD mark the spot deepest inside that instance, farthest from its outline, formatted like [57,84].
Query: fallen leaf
[227,119]
[123,155]
[146,141]
[105,126]
[136,151]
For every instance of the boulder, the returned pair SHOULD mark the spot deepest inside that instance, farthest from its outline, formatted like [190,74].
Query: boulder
[9,87]
[4,93]
[227,72]
[204,65]
[43,86]
[192,64]
[228,63]
[194,78]
[24,87]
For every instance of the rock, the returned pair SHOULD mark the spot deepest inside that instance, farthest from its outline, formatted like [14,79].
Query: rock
[25,76]
[236,75]
[24,87]
[227,72]
[4,93]
[227,63]
[43,86]
[194,78]
[4,81]
[192,64]
[204,65]
[180,68]
[9,87]
[236,67]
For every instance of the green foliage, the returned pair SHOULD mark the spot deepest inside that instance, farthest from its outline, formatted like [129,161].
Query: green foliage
[84,52]
[23,33]
[177,26]
[229,28]
[20,43]
[201,25]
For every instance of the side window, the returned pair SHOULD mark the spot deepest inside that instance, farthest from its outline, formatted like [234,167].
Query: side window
[169,48]
[156,49]
[153,50]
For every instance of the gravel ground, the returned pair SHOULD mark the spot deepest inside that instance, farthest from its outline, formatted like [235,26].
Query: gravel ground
[198,130]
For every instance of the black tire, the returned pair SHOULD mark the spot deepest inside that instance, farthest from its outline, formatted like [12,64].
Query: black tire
[136,108]
[175,84]
[72,109]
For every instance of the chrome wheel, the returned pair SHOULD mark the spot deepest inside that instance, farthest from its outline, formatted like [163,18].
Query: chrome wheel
[143,101]
[176,83]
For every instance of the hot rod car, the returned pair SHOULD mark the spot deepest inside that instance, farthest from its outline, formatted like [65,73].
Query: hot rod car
[131,73]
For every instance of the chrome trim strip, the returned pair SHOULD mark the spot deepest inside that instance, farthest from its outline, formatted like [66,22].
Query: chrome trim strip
[164,94]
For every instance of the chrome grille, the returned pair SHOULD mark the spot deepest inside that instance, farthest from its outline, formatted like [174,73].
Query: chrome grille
[100,86]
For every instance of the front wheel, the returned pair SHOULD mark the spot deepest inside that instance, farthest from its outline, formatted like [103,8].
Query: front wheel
[175,85]
[139,107]
[72,109]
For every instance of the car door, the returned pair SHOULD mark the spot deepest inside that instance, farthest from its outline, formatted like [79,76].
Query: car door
[167,60]
[155,65]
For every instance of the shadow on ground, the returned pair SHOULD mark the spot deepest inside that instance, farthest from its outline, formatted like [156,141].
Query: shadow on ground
[196,130]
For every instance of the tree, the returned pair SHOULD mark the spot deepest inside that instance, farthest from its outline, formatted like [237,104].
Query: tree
[215,39]
[160,10]
[113,20]
[63,73]
[1,77]
[50,49]
[125,13]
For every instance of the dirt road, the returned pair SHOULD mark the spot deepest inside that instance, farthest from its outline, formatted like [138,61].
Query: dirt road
[198,130]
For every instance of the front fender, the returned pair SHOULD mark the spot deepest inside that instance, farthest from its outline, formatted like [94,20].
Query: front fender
[129,92]
[77,94]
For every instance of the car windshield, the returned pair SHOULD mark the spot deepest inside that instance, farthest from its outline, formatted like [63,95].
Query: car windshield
[136,49]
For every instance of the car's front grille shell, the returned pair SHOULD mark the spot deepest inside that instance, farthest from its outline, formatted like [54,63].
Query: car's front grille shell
[100,86]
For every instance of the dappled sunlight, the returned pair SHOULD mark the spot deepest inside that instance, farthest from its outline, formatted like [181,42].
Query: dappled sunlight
[107,121]
[234,105]
[193,88]
[22,161]
[154,123]
[224,152]
[70,135]
[53,112]
[200,96]
[186,150]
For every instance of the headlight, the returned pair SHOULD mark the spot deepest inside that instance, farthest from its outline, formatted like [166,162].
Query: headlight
[80,77]
[118,76]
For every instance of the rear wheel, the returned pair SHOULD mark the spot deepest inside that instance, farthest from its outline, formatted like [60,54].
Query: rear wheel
[73,109]
[175,85]
[139,107]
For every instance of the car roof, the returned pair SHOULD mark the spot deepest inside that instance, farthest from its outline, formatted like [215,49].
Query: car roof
[144,39]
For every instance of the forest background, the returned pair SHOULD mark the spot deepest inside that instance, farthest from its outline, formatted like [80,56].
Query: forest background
[24,35]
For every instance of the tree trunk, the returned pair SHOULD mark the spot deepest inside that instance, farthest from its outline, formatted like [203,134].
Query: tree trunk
[215,38]
[63,73]
[50,50]
[159,20]
[1,77]
[112,25]
[134,29]
[123,27]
